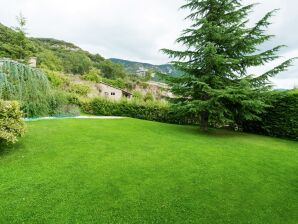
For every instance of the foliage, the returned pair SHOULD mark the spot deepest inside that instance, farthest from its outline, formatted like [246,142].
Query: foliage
[75,62]
[64,104]
[22,21]
[57,55]
[93,75]
[53,44]
[137,95]
[48,60]
[116,83]
[110,70]
[220,47]
[27,85]
[14,44]
[148,97]
[154,111]
[11,123]
[96,58]
[57,101]
[73,59]
[280,119]
[80,89]
[57,79]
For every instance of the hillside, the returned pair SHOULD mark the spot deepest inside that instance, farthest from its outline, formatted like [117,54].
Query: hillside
[55,55]
[14,44]
[141,68]
[73,73]
[59,55]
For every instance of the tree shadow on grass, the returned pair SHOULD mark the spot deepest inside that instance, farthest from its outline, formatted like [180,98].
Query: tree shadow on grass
[212,132]
[6,149]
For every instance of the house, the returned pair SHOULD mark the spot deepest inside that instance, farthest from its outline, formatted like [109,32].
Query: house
[112,92]
[32,62]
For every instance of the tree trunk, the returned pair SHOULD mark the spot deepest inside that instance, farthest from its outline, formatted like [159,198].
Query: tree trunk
[204,120]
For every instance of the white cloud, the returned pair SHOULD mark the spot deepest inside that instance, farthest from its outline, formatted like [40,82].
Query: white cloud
[135,29]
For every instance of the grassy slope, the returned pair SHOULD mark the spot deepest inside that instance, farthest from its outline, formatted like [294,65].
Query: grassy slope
[131,171]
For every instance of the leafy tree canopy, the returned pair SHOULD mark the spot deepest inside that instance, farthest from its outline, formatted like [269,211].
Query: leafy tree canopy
[14,44]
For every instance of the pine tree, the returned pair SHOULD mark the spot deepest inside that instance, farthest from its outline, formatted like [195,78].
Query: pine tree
[220,48]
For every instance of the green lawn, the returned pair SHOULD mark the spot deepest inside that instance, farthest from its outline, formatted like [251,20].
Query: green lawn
[133,171]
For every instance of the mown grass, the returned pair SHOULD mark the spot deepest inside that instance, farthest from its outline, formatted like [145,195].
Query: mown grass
[132,171]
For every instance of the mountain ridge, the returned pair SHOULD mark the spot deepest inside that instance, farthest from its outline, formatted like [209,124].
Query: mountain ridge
[140,68]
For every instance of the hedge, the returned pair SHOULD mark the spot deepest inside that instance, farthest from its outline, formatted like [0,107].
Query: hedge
[279,120]
[152,111]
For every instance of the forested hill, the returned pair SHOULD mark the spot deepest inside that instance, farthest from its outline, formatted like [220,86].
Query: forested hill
[14,44]
[55,55]
[134,67]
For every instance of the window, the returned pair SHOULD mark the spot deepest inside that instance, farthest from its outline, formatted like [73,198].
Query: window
[106,93]
[113,94]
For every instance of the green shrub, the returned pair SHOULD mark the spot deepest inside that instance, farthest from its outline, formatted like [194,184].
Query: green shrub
[14,44]
[46,59]
[57,100]
[74,62]
[279,120]
[64,104]
[57,79]
[111,70]
[93,75]
[74,99]
[11,123]
[116,83]
[154,111]
[137,95]
[80,89]
[148,97]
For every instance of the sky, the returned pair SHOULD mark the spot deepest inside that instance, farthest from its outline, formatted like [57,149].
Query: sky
[138,29]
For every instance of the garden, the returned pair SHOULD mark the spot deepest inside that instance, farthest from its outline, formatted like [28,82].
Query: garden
[222,149]
[136,171]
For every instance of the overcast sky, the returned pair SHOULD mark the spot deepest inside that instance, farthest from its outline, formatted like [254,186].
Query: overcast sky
[137,29]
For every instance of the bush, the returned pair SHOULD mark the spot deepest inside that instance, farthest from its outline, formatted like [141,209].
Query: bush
[149,97]
[119,83]
[46,59]
[93,75]
[57,100]
[64,104]
[57,79]
[74,62]
[153,111]
[111,70]
[137,95]
[80,89]
[68,110]
[11,123]
[281,119]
